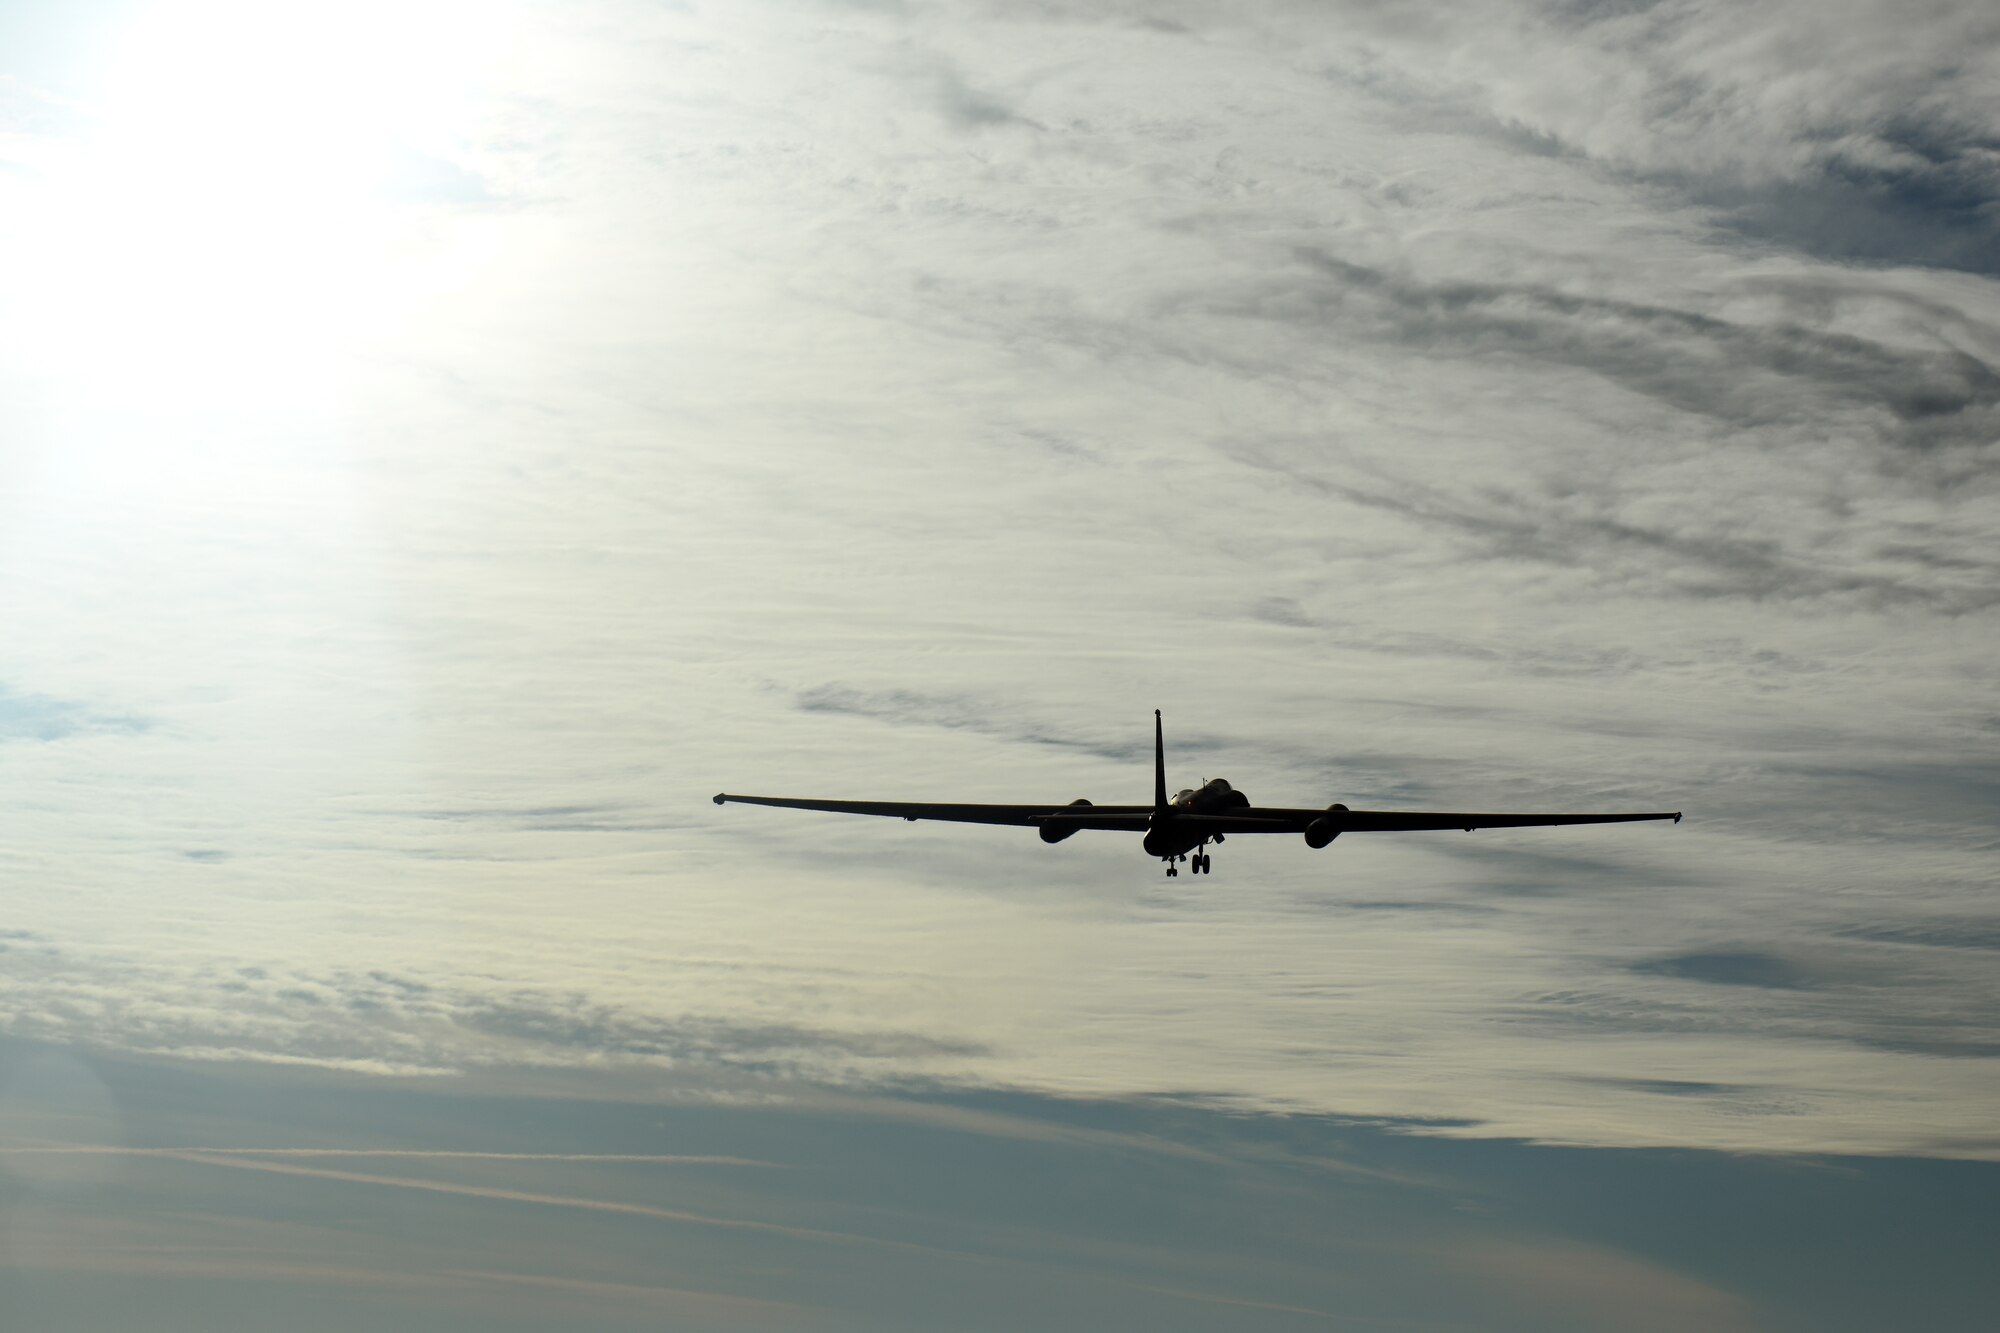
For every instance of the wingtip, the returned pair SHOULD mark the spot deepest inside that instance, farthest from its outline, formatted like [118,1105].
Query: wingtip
[720,797]
[1677,816]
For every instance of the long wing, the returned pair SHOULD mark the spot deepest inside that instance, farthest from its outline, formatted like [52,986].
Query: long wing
[1267,819]
[1249,819]
[1082,816]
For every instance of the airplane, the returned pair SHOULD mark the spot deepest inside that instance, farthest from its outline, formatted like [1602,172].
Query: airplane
[1182,828]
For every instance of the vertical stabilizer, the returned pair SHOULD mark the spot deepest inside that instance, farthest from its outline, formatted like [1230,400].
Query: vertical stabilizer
[1159,765]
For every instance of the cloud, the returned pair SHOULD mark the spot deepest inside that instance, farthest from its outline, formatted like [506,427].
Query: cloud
[1863,139]
[392,1025]
[1014,1210]
[1965,933]
[1679,1087]
[1594,1287]
[37,717]
[545,1023]
[1696,362]
[693,1304]
[991,716]
[441,1154]
[968,108]
[1728,969]
[889,403]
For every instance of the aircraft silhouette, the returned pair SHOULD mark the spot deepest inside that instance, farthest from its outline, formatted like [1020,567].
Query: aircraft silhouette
[1192,819]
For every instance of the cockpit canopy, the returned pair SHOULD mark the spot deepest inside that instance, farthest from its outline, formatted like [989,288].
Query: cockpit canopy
[1214,787]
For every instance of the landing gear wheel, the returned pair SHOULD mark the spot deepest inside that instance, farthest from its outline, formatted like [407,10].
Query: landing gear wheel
[1171,872]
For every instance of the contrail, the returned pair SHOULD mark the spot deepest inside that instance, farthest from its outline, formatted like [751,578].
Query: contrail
[557,1201]
[236,1158]
[108,1150]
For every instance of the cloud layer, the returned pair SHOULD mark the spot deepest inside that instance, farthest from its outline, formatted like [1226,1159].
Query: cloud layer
[971,1211]
[1567,407]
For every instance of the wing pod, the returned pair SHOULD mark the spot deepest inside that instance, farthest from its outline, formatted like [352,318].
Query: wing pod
[1326,828]
[1054,830]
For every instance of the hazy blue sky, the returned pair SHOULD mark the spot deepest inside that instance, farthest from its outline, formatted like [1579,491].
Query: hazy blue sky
[442,443]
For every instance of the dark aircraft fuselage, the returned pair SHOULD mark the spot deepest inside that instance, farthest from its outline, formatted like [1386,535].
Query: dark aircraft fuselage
[1167,834]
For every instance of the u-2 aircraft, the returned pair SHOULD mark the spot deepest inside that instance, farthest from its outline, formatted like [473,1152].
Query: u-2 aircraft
[1182,828]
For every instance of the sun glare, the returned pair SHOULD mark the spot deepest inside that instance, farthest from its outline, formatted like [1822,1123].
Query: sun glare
[225,222]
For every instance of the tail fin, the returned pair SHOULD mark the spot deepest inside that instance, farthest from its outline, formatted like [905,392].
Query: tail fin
[1159,765]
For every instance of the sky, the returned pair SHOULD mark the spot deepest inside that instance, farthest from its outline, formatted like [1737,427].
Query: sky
[442,444]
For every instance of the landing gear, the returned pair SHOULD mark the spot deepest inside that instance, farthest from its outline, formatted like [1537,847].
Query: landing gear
[1202,861]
